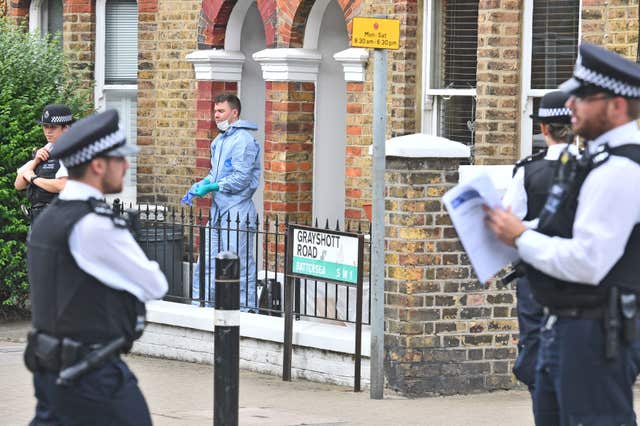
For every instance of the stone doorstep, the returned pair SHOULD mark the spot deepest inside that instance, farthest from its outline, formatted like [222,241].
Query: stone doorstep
[336,337]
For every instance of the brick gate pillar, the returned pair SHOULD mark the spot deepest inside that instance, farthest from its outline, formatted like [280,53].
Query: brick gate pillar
[290,76]
[445,333]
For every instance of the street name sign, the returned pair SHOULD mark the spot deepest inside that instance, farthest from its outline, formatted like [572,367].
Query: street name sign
[323,254]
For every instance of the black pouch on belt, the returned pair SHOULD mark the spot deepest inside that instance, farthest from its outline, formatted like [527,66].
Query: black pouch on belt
[629,308]
[30,359]
[47,349]
[71,353]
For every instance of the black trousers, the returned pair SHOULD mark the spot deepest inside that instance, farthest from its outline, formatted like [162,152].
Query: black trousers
[576,384]
[530,315]
[108,395]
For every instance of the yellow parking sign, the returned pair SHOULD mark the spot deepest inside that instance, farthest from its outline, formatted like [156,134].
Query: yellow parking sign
[376,33]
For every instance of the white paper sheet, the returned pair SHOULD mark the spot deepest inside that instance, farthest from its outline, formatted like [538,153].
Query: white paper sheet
[487,254]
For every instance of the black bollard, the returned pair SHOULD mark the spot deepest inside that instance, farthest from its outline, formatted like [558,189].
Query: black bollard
[226,352]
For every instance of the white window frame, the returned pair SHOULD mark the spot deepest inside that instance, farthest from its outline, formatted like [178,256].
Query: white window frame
[431,97]
[100,88]
[99,73]
[527,93]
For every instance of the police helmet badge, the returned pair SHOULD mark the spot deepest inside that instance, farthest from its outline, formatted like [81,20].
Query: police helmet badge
[56,114]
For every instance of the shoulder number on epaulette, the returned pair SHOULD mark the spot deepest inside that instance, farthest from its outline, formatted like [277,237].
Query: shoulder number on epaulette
[526,160]
[101,208]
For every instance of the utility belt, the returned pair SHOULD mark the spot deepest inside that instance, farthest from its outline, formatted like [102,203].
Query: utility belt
[66,356]
[619,316]
[577,313]
[32,212]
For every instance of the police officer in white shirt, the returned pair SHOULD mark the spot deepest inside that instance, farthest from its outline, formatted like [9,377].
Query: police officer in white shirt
[89,283]
[526,195]
[584,257]
[44,177]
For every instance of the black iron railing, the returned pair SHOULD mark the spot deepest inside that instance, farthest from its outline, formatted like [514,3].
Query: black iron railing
[181,241]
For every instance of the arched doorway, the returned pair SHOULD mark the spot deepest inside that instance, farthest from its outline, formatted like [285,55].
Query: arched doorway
[330,123]
[252,88]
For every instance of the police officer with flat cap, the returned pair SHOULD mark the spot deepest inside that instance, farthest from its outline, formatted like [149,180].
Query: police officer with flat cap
[44,177]
[583,259]
[526,195]
[89,283]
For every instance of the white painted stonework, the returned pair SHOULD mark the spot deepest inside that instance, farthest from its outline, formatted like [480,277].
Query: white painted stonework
[354,63]
[283,64]
[421,145]
[217,64]
[322,352]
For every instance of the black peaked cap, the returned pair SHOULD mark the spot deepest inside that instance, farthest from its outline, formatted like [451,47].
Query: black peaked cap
[599,69]
[94,135]
[552,109]
[56,114]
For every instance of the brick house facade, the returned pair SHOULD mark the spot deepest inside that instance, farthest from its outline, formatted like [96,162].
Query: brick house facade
[444,332]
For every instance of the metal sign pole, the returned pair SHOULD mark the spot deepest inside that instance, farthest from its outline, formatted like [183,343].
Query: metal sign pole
[377,230]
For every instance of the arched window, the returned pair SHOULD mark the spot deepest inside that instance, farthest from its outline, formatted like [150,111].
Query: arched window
[46,16]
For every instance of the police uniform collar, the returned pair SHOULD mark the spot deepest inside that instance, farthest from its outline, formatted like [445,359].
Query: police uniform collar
[621,135]
[600,69]
[93,136]
[554,151]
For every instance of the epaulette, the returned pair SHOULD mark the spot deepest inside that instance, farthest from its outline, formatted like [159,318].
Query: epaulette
[600,156]
[604,152]
[526,160]
[101,208]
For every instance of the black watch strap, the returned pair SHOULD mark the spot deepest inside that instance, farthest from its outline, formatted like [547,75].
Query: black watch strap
[33,178]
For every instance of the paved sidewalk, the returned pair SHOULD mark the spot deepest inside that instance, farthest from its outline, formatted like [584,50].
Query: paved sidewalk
[181,393]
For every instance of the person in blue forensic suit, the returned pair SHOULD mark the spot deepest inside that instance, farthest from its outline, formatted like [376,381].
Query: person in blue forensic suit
[526,195]
[232,180]
[44,177]
[89,284]
[583,259]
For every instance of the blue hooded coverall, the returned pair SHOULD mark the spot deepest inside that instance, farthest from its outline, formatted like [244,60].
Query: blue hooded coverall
[235,166]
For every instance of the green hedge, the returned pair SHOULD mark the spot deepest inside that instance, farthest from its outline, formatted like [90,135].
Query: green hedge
[33,73]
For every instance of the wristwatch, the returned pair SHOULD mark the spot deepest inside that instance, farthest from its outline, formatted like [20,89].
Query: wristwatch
[33,178]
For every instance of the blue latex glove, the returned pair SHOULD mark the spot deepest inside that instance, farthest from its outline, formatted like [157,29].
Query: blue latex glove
[203,190]
[191,194]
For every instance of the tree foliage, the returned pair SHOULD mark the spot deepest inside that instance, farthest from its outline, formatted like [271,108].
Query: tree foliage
[33,73]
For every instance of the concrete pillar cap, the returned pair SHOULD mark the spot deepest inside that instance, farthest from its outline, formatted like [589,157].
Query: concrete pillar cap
[421,145]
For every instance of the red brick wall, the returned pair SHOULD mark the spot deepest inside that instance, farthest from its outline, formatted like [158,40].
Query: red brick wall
[294,22]
[17,8]
[288,148]
[284,20]
[215,15]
